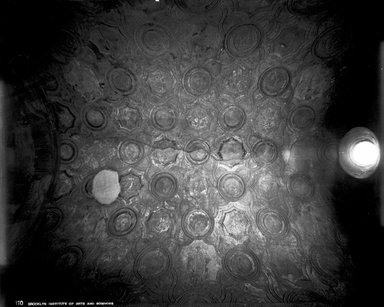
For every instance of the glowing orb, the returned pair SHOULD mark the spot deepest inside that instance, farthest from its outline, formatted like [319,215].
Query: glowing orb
[365,154]
[359,152]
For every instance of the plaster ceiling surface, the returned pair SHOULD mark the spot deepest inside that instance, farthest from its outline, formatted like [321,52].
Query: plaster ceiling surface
[193,163]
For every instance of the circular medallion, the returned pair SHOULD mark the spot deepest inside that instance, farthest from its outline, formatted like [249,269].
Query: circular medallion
[152,262]
[302,118]
[197,151]
[274,81]
[52,219]
[94,118]
[153,39]
[197,6]
[272,223]
[68,151]
[131,152]
[233,118]
[122,222]
[242,40]
[264,152]
[197,81]
[122,81]
[301,186]
[331,43]
[164,118]
[163,186]
[231,187]
[241,264]
[70,258]
[197,224]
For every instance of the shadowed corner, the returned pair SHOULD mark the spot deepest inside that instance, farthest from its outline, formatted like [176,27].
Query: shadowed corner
[3,250]
[27,168]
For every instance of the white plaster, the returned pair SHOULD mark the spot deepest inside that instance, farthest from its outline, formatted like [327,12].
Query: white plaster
[106,187]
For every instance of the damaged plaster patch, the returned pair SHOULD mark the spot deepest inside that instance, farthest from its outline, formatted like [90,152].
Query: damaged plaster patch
[106,187]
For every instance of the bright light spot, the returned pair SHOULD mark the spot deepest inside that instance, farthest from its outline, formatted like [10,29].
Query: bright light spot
[286,155]
[365,154]
[106,187]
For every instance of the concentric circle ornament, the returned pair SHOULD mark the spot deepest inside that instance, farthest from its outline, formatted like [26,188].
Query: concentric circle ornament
[122,222]
[163,186]
[264,152]
[331,43]
[69,258]
[94,118]
[274,81]
[302,118]
[233,118]
[131,152]
[243,40]
[68,151]
[52,219]
[197,151]
[242,264]
[301,185]
[164,118]
[153,39]
[197,7]
[122,81]
[272,223]
[197,81]
[152,262]
[86,187]
[197,224]
[231,187]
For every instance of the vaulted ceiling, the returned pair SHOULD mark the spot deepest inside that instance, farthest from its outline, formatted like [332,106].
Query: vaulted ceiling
[183,152]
